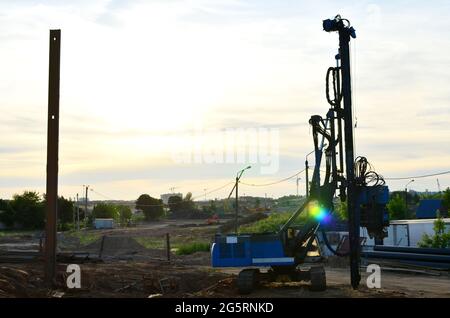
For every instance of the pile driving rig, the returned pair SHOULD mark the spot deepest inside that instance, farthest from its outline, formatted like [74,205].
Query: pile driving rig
[363,189]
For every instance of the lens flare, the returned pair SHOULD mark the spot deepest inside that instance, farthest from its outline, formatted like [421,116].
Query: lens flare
[319,213]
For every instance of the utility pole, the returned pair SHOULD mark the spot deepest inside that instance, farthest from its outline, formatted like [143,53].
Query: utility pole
[52,156]
[297,183]
[73,211]
[406,194]
[238,176]
[78,215]
[86,202]
[307,174]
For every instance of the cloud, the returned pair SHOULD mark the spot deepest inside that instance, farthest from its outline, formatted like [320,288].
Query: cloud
[137,75]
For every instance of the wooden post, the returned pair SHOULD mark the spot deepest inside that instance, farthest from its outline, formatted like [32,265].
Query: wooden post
[52,156]
[168,246]
[102,245]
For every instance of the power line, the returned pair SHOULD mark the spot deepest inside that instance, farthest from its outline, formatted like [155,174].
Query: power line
[193,198]
[214,190]
[418,177]
[106,197]
[272,183]
[280,181]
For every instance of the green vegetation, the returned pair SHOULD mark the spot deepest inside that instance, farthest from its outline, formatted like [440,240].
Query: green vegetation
[181,246]
[271,223]
[65,213]
[85,238]
[137,218]
[440,239]
[151,242]
[211,209]
[106,211]
[341,210]
[291,201]
[446,198]
[125,214]
[397,205]
[397,208]
[27,211]
[190,248]
[175,203]
[14,233]
[151,207]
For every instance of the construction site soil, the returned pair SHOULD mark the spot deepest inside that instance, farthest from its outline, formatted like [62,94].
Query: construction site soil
[117,265]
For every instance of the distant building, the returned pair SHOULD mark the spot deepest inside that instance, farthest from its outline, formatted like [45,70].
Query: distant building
[407,232]
[103,223]
[165,197]
[429,209]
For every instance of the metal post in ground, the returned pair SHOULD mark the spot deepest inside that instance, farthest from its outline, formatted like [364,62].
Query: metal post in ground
[52,156]
[78,215]
[86,203]
[168,246]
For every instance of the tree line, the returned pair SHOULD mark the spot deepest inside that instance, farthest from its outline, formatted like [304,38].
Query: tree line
[27,211]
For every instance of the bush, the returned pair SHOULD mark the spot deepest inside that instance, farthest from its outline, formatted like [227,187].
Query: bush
[6,215]
[396,207]
[175,203]
[190,248]
[66,227]
[125,214]
[27,210]
[269,224]
[106,211]
[151,207]
[440,239]
[137,218]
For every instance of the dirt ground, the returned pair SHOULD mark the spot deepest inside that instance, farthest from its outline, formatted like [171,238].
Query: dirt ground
[130,269]
[122,279]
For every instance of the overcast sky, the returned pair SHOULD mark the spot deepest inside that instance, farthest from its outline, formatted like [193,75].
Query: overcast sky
[140,78]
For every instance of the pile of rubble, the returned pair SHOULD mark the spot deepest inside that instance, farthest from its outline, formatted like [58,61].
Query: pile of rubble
[112,279]
[16,282]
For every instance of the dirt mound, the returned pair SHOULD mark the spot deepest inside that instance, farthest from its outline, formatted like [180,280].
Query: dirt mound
[115,245]
[230,225]
[15,282]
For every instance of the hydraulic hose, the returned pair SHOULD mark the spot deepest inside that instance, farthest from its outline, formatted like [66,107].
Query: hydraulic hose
[328,245]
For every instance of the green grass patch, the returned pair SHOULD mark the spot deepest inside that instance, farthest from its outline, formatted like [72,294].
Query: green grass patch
[190,248]
[180,246]
[151,242]
[85,238]
[16,233]
[272,223]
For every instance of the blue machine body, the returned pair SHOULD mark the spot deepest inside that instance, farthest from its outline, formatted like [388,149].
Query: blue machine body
[376,194]
[248,250]
[373,212]
[267,249]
